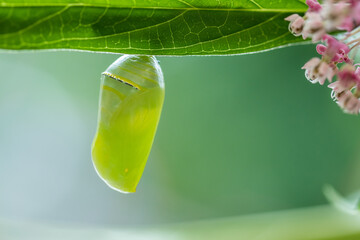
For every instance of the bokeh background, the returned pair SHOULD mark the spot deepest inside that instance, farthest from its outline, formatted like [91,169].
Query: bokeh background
[237,135]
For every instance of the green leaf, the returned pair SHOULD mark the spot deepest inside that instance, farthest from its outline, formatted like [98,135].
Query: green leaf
[316,223]
[154,27]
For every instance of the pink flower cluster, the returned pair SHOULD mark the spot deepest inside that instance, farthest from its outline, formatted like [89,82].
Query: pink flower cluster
[319,20]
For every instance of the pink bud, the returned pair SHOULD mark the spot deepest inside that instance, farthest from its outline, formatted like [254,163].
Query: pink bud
[320,49]
[347,24]
[314,6]
[356,11]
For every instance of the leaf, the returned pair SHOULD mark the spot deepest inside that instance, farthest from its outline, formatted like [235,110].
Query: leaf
[153,27]
[316,223]
[349,205]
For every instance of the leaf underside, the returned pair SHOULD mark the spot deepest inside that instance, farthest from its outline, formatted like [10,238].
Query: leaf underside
[151,27]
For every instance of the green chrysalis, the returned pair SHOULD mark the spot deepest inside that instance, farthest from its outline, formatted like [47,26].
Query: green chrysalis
[131,98]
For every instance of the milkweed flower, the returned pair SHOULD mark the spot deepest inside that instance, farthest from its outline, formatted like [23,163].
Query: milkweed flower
[296,24]
[317,71]
[313,26]
[336,60]
[335,51]
[335,14]
[347,79]
[348,102]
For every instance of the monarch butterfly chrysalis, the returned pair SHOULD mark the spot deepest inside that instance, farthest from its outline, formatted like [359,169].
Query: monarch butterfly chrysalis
[131,98]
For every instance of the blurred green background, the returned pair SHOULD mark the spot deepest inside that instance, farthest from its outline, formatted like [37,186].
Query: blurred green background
[237,135]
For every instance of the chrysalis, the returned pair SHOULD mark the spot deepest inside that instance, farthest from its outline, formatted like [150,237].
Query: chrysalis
[131,98]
